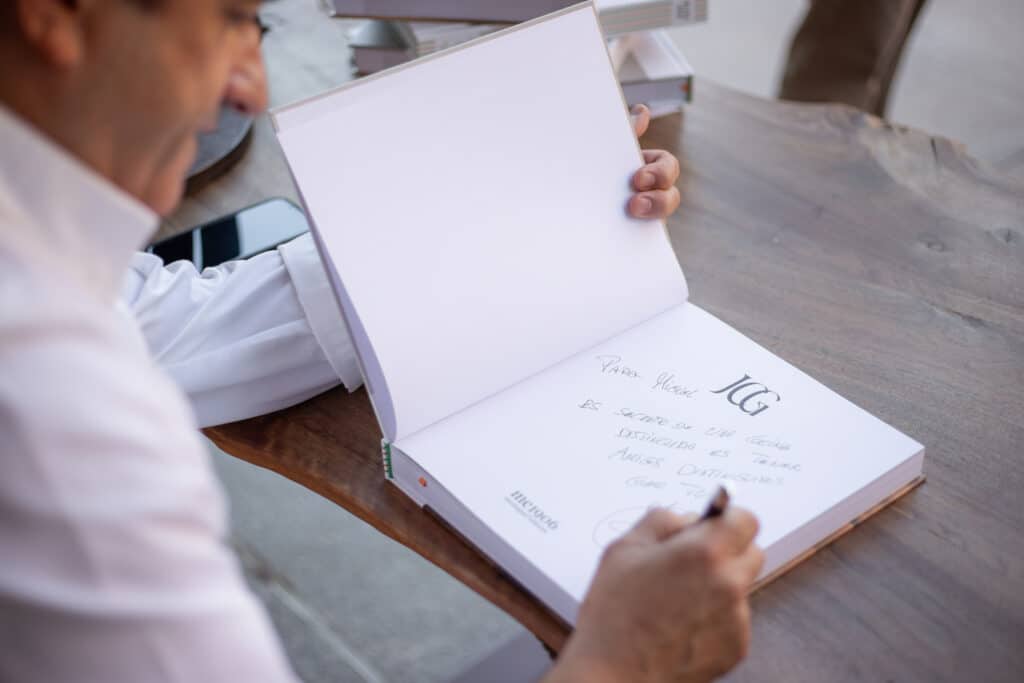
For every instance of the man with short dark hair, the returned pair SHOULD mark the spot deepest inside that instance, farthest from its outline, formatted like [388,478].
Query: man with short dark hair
[111,523]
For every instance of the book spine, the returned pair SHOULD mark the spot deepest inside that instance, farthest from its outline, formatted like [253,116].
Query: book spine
[690,11]
[386,453]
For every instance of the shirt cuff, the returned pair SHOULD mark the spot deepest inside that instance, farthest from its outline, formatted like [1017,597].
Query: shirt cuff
[318,302]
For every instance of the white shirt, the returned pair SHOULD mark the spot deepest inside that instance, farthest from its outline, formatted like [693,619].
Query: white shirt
[247,337]
[113,565]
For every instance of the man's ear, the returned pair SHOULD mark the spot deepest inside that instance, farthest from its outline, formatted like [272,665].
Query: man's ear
[54,29]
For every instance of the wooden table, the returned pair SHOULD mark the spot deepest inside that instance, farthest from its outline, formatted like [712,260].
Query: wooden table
[884,262]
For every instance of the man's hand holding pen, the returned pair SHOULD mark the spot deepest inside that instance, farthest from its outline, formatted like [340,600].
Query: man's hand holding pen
[675,588]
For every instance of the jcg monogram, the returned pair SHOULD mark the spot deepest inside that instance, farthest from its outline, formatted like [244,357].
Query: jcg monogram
[743,390]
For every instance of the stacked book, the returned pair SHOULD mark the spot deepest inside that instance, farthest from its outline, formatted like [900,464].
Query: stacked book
[652,71]
[617,16]
[630,16]
[379,45]
[651,68]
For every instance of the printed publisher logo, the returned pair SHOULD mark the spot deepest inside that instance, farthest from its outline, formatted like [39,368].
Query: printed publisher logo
[531,511]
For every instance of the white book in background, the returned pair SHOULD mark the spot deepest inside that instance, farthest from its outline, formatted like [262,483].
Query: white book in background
[628,16]
[651,70]
[539,372]
[483,11]
[617,16]
[379,45]
[435,36]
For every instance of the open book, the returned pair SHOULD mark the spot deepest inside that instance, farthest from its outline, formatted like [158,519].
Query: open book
[538,372]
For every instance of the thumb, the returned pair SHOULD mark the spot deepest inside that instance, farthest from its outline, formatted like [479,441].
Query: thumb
[659,524]
[640,116]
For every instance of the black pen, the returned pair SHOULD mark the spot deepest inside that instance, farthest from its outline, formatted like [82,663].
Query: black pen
[718,503]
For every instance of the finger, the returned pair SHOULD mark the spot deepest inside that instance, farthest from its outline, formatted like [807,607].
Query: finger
[654,204]
[640,116]
[749,564]
[735,578]
[658,525]
[736,527]
[660,172]
[652,155]
[721,643]
[727,535]
[690,518]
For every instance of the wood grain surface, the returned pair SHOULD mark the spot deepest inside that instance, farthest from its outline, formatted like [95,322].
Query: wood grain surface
[884,262]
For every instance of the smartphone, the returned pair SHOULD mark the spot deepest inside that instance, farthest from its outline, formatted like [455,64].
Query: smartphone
[239,235]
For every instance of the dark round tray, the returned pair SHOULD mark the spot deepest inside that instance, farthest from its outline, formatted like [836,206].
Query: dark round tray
[220,149]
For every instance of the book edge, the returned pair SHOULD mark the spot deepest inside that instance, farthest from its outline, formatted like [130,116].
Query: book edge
[839,533]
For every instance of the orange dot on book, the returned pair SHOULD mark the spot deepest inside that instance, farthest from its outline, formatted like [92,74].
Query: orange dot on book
[423,482]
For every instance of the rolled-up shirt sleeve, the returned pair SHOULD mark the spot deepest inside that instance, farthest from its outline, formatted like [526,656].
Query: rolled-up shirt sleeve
[247,337]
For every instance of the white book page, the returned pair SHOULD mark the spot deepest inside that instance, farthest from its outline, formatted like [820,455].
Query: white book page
[474,208]
[562,464]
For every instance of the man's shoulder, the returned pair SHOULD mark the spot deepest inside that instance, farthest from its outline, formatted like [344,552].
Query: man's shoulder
[44,313]
[86,414]
[70,362]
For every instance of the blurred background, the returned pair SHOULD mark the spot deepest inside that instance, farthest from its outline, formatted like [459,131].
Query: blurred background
[960,76]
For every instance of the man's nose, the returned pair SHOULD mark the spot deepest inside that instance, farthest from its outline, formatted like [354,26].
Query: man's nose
[247,86]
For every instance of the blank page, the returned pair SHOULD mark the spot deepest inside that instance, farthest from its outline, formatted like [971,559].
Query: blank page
[473,206]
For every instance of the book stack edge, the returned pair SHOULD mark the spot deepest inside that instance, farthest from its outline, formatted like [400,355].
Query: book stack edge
[651,68]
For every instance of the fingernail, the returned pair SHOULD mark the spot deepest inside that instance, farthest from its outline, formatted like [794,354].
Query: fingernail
[644,206]
[645,181]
